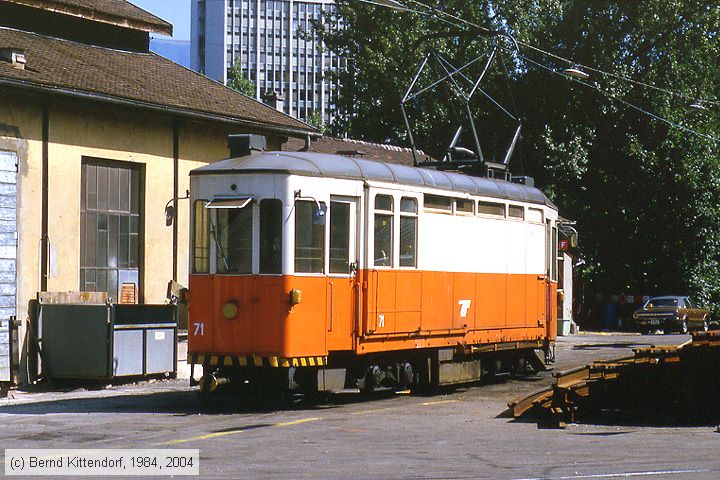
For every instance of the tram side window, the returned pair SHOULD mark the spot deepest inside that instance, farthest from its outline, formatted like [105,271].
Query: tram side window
[408,232]
[491,208]
[516,211]
[437,202]
[309,237]
[201,240]
[339,237]
[463,205]
[383,230]
[535,215]
[234,233]
[271,236]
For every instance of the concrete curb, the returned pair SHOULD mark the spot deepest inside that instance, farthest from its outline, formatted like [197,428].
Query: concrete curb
[607,334]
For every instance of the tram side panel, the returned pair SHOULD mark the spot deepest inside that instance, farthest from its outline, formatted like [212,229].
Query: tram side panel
[476,275]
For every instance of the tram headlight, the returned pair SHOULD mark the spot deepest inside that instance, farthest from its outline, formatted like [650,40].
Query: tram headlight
[230,310]
[295,296]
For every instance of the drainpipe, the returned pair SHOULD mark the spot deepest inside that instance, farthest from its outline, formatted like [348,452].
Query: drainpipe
[176,188]
[44,239]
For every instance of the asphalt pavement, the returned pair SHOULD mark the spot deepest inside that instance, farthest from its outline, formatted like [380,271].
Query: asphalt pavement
[461,433]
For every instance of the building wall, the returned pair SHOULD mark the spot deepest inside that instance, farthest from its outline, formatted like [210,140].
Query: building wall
[264,36]
[21,132]
[77,130]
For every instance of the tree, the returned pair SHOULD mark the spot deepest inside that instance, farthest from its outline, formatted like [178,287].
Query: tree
[239,82]
[316,120]
[645,193]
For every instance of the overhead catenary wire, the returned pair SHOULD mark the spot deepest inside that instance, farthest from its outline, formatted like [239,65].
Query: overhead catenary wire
[465,22]
[397,6]
[624,102]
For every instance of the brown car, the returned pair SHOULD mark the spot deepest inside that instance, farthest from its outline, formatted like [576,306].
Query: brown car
[671,313]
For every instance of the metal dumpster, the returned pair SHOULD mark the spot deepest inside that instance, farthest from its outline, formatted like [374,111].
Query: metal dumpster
[107,341]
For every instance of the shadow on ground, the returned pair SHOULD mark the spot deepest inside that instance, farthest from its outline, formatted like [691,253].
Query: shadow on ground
[189,402]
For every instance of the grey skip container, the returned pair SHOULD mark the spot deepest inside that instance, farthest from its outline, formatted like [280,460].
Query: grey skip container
[103,342]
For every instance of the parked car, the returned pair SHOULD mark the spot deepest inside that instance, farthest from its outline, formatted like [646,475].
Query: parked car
[672,313]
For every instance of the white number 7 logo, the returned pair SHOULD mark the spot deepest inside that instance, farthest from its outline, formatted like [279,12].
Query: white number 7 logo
[464,307]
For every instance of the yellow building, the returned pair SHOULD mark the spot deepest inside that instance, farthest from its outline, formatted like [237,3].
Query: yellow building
[97,136]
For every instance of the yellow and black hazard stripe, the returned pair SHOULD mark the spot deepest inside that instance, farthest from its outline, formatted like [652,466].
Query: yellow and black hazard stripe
[256,361]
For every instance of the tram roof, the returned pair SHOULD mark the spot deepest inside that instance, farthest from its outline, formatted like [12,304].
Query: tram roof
[336,166]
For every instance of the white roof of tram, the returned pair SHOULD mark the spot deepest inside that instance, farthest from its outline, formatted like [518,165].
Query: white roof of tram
[313,164]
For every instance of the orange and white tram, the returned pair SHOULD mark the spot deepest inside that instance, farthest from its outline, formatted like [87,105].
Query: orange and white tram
[401,276]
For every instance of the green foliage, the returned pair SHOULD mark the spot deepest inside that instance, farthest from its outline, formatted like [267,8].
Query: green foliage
[646,195]
[316,120]
[239,82]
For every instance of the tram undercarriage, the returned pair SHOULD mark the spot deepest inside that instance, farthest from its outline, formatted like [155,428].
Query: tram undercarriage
[415,370]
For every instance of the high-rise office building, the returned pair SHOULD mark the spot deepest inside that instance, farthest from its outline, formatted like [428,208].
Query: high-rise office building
[276,46]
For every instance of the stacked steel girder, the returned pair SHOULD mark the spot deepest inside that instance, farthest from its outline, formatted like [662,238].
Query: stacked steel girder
[659,384]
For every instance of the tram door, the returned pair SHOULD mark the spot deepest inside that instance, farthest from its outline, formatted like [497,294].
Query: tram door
[341,288]
[551,280]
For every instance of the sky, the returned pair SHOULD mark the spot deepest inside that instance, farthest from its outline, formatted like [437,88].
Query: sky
[176,12]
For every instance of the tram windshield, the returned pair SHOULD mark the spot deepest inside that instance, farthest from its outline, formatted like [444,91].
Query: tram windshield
[232,229]
[225,226]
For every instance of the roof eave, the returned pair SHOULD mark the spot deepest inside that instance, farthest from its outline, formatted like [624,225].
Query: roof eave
[161,26]
[257,126]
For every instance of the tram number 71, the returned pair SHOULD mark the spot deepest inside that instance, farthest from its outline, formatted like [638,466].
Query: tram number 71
[199,328]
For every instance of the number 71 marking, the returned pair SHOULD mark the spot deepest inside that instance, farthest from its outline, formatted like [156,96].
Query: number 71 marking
[199,328]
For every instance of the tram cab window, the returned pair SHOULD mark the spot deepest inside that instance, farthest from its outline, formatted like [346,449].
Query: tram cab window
[408,232]
[271,236]
[339,237]
[517,212]
[233,232]
[201,238]
[309,236]
[383,231]
[491,208]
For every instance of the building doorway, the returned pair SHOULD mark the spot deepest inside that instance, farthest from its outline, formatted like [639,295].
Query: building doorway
[8,261]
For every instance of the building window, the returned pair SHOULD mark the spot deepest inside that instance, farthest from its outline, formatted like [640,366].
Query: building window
[110,226]
[383,237]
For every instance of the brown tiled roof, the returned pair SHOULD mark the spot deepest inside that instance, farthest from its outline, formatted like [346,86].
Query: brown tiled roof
[145,80]
[115,12]
[357,148]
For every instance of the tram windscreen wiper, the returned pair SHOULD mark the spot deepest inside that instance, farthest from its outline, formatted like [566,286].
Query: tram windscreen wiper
[220,251]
